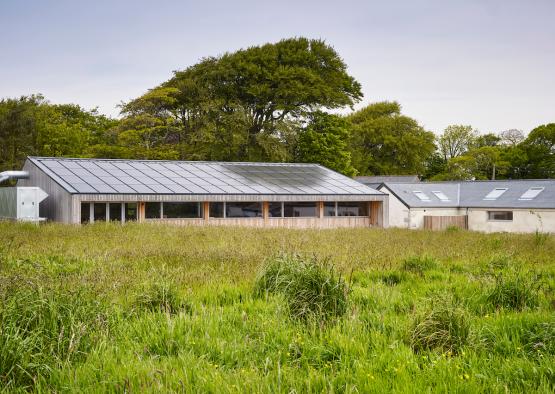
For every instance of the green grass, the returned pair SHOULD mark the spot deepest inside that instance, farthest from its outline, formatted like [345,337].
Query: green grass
[151,308]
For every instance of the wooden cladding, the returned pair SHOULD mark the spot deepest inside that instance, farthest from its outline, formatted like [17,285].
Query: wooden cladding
[444,222]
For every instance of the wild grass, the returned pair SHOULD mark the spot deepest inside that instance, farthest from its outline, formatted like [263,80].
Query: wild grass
[152,308]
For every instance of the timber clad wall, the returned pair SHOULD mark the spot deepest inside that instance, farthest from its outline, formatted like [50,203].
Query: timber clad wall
[444,222]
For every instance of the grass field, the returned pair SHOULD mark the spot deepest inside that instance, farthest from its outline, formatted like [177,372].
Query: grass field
[147,308]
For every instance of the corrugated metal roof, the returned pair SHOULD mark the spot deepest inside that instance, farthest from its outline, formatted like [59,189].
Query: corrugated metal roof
[114,176]
[472,194]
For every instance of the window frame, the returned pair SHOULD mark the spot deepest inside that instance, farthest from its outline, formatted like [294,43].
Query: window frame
[491,213]
[492,196]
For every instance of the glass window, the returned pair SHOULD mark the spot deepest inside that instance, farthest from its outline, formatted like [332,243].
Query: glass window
[441,196]
[329,208]
[153,210]
[531,193]
[130,211]
[115,212]
[500,215]
[243,209]
[100,212]
[274,209]
[85,212]
[182,210]
[216,209]
[495,193]
[421,195]
[300,209]
[345,208]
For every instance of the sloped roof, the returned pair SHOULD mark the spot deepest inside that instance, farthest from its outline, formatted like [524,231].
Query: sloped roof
[114,176]
[379,179]
[472,194]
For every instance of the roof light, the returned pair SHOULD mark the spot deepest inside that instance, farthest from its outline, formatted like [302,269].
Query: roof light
[496,193]
[531,193]
[421,195]
[441,196]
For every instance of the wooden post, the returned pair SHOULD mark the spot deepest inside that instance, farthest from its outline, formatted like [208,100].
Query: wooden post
[265,211]
[140,212]
[206,210]
[320,209]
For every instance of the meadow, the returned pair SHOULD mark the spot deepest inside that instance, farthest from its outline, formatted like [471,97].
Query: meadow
[154,308]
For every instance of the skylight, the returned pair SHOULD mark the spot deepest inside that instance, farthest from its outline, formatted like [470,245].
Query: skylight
[496,193]
[531,193]
[421,195]
[441,196]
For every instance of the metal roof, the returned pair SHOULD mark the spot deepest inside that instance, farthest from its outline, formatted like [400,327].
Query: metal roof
[115,176]
[472,194]
[379,179]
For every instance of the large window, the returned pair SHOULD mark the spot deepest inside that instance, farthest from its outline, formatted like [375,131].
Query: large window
[216,209]
[115,212]
[130,211]
[275,209]
[182,210]
[329,208]
[300,209]
[345,208]
[99,211]
[85,212]
[500,215]
[153,210]
[243,209]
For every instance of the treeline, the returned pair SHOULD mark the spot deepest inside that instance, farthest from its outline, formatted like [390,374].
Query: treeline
[270,103]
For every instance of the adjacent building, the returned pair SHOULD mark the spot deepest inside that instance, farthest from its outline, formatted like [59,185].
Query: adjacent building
[219,193]
[488,206]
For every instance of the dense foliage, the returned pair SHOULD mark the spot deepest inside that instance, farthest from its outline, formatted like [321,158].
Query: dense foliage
[271,102]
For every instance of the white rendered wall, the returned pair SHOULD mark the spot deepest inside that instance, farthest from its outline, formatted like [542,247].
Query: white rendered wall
[398,212]
[416,218]
[524,221]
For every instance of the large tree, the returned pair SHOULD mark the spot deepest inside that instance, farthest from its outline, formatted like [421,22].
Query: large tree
[248,102]
[383,141]
[456,140]
[540,150]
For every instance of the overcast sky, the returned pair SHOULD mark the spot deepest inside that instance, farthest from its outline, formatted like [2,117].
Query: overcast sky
[487,63]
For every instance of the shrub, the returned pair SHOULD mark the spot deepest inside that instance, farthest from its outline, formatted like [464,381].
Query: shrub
[514,290]
[444,327]
[419,264]
[42,329]
[160,297]
[312,289]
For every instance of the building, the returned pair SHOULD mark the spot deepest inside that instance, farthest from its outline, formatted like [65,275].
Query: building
[375,181]
[251,194]
[488,206]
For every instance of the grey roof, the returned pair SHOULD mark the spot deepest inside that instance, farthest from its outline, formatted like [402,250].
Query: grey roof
[379,179]
[114,176]
[471,194]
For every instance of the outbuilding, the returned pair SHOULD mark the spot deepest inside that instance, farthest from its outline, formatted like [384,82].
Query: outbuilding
[521,206]
[219,193]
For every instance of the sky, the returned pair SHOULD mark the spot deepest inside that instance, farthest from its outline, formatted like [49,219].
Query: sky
[486,63]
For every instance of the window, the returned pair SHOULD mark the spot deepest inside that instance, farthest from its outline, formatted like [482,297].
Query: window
[85,212]
[300,209]
[243,209]
[329,208]
[352,208]
[115,212]
[531,193]
[99,211]
[275,209]
[179,210]
[153,210]
[441,196]
[421,195]
[500,215]
[495,193]
[216,209]
[130,211]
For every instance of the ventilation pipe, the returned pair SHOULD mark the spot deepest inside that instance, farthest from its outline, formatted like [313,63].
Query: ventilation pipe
[4,176]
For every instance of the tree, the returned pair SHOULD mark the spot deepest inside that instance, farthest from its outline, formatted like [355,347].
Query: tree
[263,90]
[325,142]
[456,140]
[540,150]
[511,137]
[385,142]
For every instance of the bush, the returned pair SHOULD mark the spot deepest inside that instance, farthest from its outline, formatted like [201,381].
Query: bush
[312,289]
[419,264]
[161,297]
[42,329]
[514,290]
[444,327]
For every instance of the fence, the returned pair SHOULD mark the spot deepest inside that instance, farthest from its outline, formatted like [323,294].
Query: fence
[443,222]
